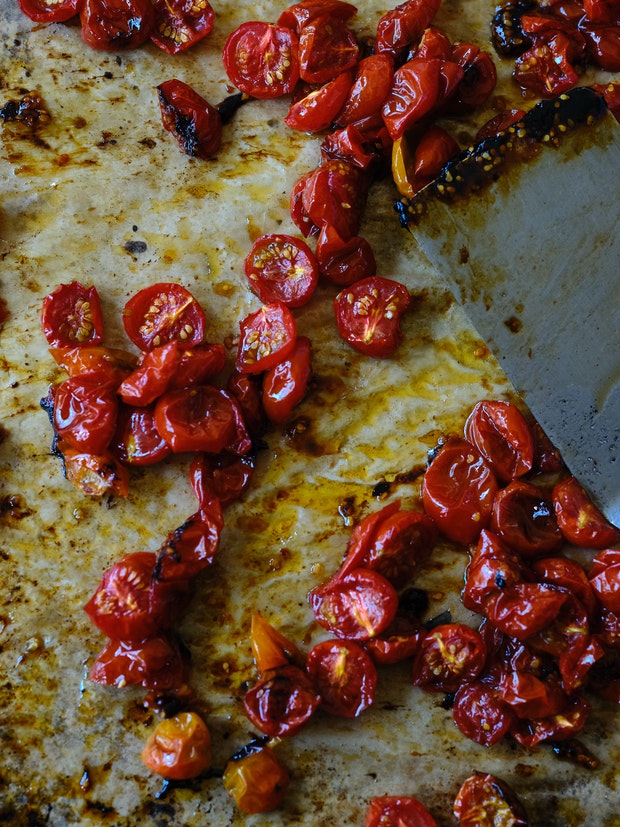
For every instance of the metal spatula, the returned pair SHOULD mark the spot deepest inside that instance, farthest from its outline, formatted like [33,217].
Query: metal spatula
[525,228]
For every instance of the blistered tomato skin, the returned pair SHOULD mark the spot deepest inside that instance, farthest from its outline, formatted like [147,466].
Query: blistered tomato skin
[179,748]
[501,434]
[256,780]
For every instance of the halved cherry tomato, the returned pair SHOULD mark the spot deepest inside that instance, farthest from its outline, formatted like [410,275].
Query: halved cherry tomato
[602,11]
[298,15]
[50,11]
[561,727]
[116,24]
[179,747]
[373,81]
[335,194]
[398,811]
[130,604]
[493,567]
[154,663]
[256,780]
[152,376]
[368,315]
[524,518]
[458,491]
[579,519]
[524,609]
[603,44]
[545,69]
[363,144]
[568,574]
[95,475]
[356,606]
[611,94]
[400,641]
[498,123]
[192,547]
[344,675]
[246,389]
[480,715]
[270,647]
[136,440]
[282,701]
[193,121]
[180,24]
[114,362]
[267,337]
[433,151]
[531,696]
[327,47]
[161,313]
[484,800]
[284,386]
[448,655]
[281,268]
[317,110]
[71,315]
[499,431]
[85,411]
[198,365]
[344,262]
[577,659]
[403,26]
[434,43]
[262,59]
[300,217]
[478,81]
[605,578]
[224,477]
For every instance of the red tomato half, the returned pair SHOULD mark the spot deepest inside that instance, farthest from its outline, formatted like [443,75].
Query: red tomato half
[161,313]
[137,441]
[499,430]
[344,675]
[155,663]
[448,656]
[327,47]
[282,701]
[48,11]
[335,193]
[192,120]
[283,269]
[487,801]
[344,262]
[398,811]
[368,315]
[71,316]
[115,363]
[492,568]
[524,518]
[480,714]
[525,609]
[296,16]
[404,26]
[223,478]
[605,578]
[152,376]
[85,411]
[116,24]
[373,81]
[317,110]
[192,547]
[545,69]
[267,337]
[180,24]
[580,521]
[198,365]
[262,59]
[285,386]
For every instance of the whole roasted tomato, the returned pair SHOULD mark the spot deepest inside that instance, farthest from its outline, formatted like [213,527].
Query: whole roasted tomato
[192,120]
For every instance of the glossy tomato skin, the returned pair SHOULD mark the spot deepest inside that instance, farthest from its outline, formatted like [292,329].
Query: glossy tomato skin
[193,121]
[493,567]
[136,440]
[262,59]
[116,24]
[344,262]
[480,715]
[368,315]
[152,376]
[499,430]
[398,811]
[604,578]
[198,365]
[192,547]
[484,800]
[256,780]
[281,268]
[298,15]
[524,518]
[85,412]
[345,676]
[579,519]
[223,478]
[179,747]
[71,315]
[524,609]
[42,11]
[545,69]
[270,648]
[117,364]
[155,663]
[282,701]
[447,656]
[316,111]
[267,336]
[458,491]
[335,193]
[327,48]
[399,642]
[372,83]
[478,81]
[179,24]
[285,385]
[95,475]
[161,313]
[404,25]
[564,726]
[569,575]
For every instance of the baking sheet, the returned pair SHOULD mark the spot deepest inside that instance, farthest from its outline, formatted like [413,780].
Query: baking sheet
[76,194]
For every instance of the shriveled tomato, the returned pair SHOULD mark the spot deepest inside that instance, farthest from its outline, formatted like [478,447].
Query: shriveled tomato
[282,701]
[152,376]
[547,458]
[267,336]
[71,315]
[403,26]
[433,151]
[605,578]
[85,411]
[492,568]
[480,715]
[576,661]
[398,811]
[368,315]
[180,24]
[524,609]
[191,119]
[161,313]
[96,475]
[136,440]
[484,800]
[179,747]
[49,11]
[355,606]
[198,365]
[531,696]
[478,81]
[327,47]
[569,575]
[400,641]
[564,726]
[317,110]
[344,262]
[114,362]
[447,656]
[611,94]
[284,386]
[344,675]
[434,43]
[299,14]
[373,81]
[580,520]
[191,547]
[154,663]
[256,779]
[262,59]
[458,490]
[116,24]
[499,430]
[498,123]
[246,389]
[603,44]
[524,518]
[271,648]
[545,69]
[335,193]
[281,268]
[224,477]
[363,144]
[130,604]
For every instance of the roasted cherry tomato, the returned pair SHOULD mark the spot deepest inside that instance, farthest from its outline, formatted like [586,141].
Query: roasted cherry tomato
[327,47]
[179,747]
[282,701]
[532,696]
[96,475]
[116,24]
[373,81]
[192,120]
[355,606]
[400,641]
[368,315]
[246,388]
[344,262]
[85,411]
[262,59]
[568,574]
[480,715]
[198,365]
[603,44]
[344,675]
[152,377]
[486,801]
[192,547]
[283,269]
[223,478]
[161,313]
[579,519]
[524,518]
[71,316]
[154,663]
[115,363]
[363,144]
[335,194]
[524,609]
[611,94]
[404,26]
[317,110]
[492,568]
[180,24]
[296,16]
[545,69]
[271,649]
[498,123]
[434,43]
[499,431]
[130,604]
[605,578]
[478,81]
[267,337]
[256,780]
[564,726]
[448,655]
[285,385]
[49,11]
[413,167]
[398,811]
[458,491]
[136,440]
